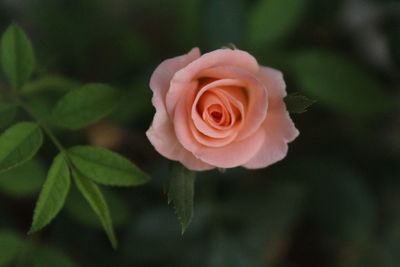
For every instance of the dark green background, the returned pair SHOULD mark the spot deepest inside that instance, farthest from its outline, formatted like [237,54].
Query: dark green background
[335,199]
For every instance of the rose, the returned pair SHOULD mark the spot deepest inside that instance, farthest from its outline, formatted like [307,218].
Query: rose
[221,110]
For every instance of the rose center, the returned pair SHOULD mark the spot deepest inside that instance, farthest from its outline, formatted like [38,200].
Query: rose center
[216,115]
[220,108]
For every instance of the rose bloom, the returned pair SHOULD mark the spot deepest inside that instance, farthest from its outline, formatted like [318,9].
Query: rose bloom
[220,109]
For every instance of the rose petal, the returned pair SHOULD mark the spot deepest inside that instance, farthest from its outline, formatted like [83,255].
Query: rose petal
[280,118]
[257,95]
[274,82]
[217,116]
[215,58]
[173,150]
[237,104]
[161,133]
[192,163]
[209,141]
[162,75]
[231,155]
[278,126]
[279,131]
[234,154]
[200,124]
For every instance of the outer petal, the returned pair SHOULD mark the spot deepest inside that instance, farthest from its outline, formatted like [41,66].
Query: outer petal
[164,141]
[278,127]
[161,133]
[234,154]
[274,82]
[162,75]
[220,57]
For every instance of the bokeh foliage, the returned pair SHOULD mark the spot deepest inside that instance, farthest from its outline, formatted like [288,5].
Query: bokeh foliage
[334,201]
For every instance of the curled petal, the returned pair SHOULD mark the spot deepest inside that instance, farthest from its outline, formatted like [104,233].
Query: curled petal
[279,131]
[199,122]
[256,93]
[162,75]
[161,133]
[275,84]
[220,57]
[172,149]
[234,154]
[278,127]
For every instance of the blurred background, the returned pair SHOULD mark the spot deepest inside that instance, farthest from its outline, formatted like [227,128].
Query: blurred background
[334,201]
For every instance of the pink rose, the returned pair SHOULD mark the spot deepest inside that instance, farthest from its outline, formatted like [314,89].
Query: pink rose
[220,109]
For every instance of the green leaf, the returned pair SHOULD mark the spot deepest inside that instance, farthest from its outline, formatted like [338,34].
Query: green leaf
[297,103]
[96,200]
[17,56]
[339,84]
[19,144]
[7,114]
[10,246]
[84,106]
[125,113]
[181,193]
[272,20]
[53,194]
[42,105]
[106,167]
[24,180]
[77,209]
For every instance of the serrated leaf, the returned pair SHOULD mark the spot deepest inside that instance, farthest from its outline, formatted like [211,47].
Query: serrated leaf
[181,193]
[78,210]
[272,20]
[297,103]
[84,105]
[96,200]
[339,84]
[53,194]
[106,167]
[17,56]
[19,144]
[24,180]
[7,114]
[10,246]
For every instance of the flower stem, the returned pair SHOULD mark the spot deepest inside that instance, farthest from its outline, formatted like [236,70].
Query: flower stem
[39,121]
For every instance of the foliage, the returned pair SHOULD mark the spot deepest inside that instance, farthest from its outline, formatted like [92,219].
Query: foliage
[78,108]
[297,103]
[84,105]
[336,82]
[181,193]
